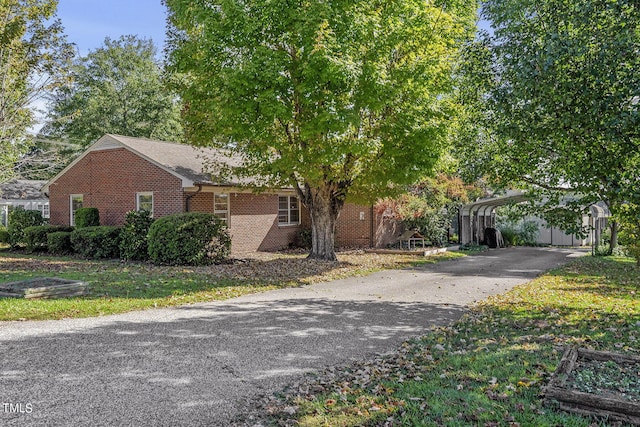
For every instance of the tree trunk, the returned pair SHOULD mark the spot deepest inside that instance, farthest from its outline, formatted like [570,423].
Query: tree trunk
[324,208]
[614,236]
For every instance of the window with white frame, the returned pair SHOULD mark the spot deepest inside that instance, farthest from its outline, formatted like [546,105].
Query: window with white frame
[75,203]
[221,206]
[288,210]
[44,210]
[144,202]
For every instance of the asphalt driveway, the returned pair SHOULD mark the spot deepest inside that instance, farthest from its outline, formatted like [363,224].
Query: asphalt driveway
[203,364]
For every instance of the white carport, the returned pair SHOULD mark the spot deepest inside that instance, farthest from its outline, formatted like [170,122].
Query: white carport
[475,217]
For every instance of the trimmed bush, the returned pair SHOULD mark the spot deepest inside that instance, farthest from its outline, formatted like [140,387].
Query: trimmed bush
[87,217]
[304,238]
[4,234]
[96,242]
[191,238]
[35,237]
[19,219]
[133,237]
[59,243]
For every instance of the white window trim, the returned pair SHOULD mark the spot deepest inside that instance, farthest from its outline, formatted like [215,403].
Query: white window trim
[227,211]
[72,216]
[289,223]
[145,193]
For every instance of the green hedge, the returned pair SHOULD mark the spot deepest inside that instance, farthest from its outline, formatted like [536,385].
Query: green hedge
[191,238]
[133,238]
[4,234]
[19,219]
[96,242]
[59,243]
[35,237]
[87,217]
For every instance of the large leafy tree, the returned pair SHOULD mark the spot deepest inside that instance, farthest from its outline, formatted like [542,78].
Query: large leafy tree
[339,100]
[557,101]
[34,56]
[117,88]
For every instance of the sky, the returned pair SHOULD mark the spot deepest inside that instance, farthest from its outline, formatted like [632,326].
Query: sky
[88,22]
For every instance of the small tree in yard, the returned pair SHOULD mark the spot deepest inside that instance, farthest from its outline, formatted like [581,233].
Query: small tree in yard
[341,100]
[430,205]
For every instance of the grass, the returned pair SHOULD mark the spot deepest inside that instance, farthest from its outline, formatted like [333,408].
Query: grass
[116,287]
[490,368]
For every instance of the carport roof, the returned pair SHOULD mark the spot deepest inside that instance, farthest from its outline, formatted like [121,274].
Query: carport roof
[512,196]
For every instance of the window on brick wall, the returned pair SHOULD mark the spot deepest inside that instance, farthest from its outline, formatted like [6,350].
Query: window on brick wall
[75,203]
[288,210]
[221,206]
[144,202]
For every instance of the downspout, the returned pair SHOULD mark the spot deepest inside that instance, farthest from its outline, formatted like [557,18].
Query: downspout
[190,196]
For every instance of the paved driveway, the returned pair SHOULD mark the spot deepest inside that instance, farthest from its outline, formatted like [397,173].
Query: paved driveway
[199,365]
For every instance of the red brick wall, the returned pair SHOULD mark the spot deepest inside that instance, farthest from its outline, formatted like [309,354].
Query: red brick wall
[254,221]
[109,181]
[351,231]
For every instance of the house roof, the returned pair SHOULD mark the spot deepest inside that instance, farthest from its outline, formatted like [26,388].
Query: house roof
[191,164]
[22,189]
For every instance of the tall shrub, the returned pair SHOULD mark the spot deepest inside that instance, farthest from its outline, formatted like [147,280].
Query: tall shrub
[36,236]
[4,234]
[133,237]
[19,219]
[87,217]
[59,243]
[96,242]
[191,238]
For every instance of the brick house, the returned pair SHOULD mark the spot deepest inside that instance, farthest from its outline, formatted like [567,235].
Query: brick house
[118,174]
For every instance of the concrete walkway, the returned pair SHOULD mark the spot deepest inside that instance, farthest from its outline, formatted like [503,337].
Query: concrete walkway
[203,364]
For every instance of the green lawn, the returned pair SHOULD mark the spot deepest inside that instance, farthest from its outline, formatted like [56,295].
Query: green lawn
[116,287]
[489,369]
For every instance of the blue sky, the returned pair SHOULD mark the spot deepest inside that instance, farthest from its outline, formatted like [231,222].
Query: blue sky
[88,22]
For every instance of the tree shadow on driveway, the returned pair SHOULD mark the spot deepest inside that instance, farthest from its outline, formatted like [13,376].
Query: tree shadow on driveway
[193,365]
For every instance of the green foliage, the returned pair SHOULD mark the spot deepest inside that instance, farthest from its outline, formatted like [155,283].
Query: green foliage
[87,217]
[347,100]
[553,101]
[304,239]
[431,205]
[473,247]
[36,237]
[19,220]
[33,60]
[59,243]
[417,214]
[509,234]
[630,230]
[4,234]
[191,238]
[516,231]
[133,238]
[117,89]
[96,242]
